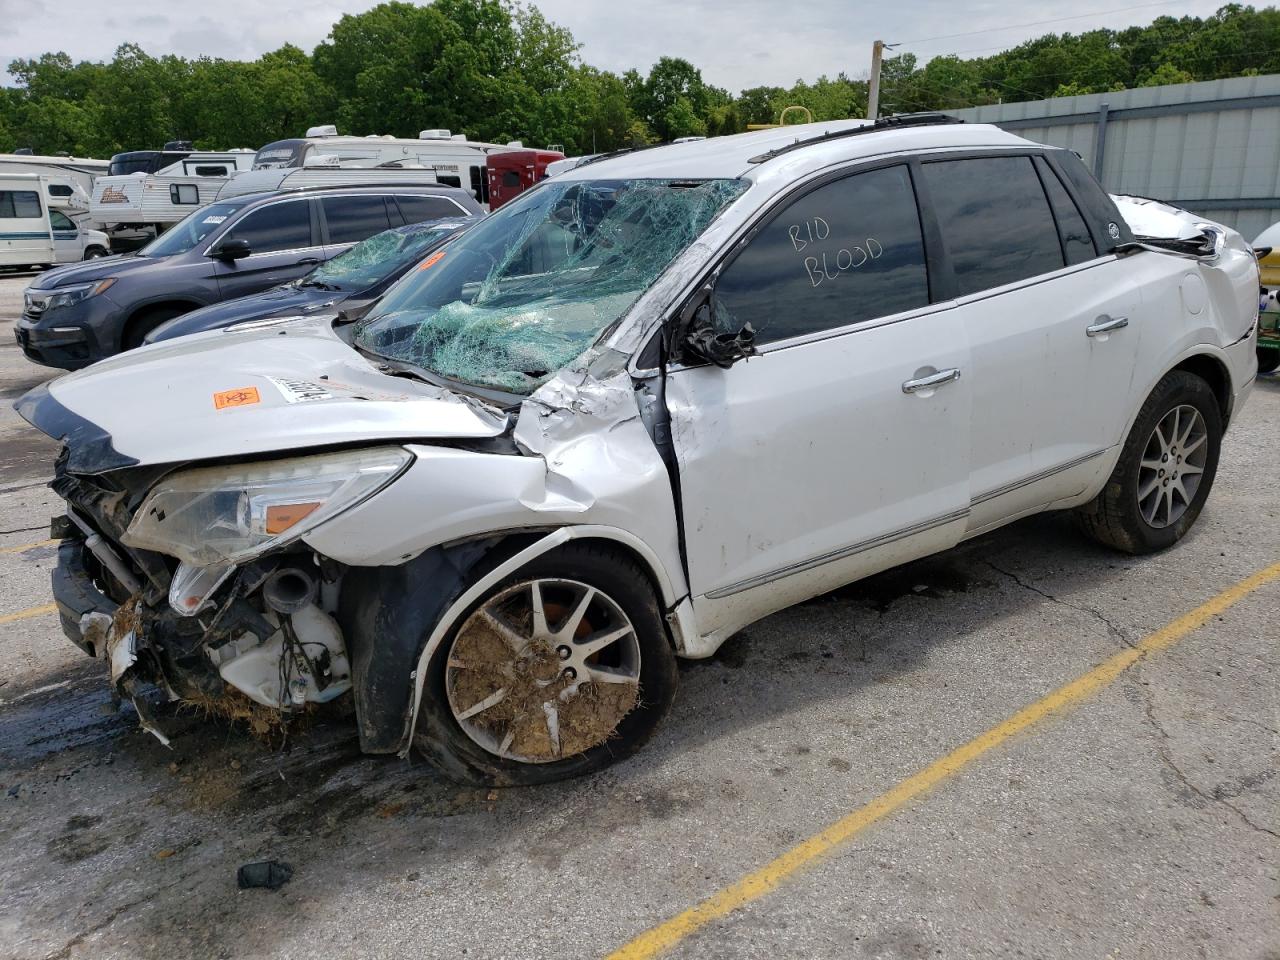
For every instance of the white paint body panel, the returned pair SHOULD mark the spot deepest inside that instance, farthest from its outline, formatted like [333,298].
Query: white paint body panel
[157,402]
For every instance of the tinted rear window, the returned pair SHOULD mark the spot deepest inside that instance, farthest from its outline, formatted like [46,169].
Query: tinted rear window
[352,219]
[418,209]
[995,220]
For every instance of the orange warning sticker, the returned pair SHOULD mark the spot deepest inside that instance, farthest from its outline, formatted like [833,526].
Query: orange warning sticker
[432,260]
[241,397]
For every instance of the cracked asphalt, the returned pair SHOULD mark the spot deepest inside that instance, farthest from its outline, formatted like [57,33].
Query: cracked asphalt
[1145,823]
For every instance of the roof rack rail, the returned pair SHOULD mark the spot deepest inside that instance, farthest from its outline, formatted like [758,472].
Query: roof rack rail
[314,187]
[926,119]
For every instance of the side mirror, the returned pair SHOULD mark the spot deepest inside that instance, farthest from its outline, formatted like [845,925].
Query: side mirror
[696,339]
[233,250]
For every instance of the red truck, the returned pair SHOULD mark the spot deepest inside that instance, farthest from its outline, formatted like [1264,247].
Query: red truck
[514,171]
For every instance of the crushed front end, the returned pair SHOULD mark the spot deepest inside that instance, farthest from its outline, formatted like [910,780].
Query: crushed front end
[193,582]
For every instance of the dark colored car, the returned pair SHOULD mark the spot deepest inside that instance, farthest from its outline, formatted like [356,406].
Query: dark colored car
[348,282]
[230,248]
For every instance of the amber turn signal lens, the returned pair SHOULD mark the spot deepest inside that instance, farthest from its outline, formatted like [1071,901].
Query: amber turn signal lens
[282,516]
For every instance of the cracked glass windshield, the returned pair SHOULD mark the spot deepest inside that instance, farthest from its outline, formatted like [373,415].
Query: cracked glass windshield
[376,258]
[530,288]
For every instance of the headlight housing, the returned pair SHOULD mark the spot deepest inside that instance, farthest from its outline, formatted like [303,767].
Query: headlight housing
[219,515]
[69,296]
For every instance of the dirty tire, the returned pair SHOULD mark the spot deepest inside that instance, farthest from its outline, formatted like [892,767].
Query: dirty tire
[1113,517]
[439,735]
[143,323]
[1268,359]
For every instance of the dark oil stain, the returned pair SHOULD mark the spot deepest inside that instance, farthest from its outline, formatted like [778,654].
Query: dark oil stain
[933,578]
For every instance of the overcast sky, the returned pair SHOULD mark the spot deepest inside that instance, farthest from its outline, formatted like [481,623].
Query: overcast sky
[736,43]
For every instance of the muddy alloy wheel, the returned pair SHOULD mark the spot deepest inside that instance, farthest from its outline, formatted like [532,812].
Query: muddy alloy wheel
[545,669]
[559,670]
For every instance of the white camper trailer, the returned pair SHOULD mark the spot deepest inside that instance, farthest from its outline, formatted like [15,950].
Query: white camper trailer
[149,190]
[34,234]
[436,156]
[70,180]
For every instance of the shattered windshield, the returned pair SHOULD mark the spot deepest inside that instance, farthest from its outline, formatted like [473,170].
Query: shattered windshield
[375,259]
[531,287]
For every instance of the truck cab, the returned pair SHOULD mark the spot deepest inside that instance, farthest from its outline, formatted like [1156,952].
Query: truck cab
[515,171]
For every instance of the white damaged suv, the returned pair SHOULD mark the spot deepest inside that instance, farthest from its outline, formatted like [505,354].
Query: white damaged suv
[656,398]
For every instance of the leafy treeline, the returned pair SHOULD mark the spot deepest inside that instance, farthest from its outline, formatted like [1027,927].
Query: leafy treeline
[500,71]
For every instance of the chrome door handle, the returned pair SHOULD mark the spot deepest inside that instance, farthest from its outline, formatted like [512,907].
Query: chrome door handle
[933,380]
[307,260]
[1106,324]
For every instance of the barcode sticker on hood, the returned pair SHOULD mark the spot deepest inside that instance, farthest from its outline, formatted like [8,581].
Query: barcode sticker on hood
[301,391]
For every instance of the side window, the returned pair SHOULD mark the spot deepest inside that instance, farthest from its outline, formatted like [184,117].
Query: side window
[211,171]
[995,220]
[846,252]
[280,226]
[24,204]
[184,193]
[510,178]
[352,219]
[448,180]
[418,209]
[1077,244]
[60,190]
[60,221]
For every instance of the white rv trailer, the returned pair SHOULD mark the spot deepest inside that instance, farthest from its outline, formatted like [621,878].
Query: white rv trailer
[33,233]
[70,180]
[449,158]
[148,190]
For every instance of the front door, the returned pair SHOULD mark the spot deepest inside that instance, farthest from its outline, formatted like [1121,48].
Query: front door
[68,247]
[842,448]
[283,247]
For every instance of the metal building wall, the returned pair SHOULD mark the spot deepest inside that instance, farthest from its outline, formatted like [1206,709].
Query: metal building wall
[1211,147]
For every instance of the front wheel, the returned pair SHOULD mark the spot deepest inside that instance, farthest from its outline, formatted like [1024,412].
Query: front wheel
[1165,470]
[558,671]
[1268,359]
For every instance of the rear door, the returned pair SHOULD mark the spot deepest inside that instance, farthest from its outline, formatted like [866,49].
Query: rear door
[843,447]
[284,242]
[1052,326]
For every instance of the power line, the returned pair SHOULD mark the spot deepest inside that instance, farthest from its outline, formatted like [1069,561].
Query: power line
[1039,23]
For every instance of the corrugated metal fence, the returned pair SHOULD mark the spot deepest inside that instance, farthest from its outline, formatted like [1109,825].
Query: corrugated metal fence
[1211,147]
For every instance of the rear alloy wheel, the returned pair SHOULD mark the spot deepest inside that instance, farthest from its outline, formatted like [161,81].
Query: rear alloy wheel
[557,671]
[1165,470]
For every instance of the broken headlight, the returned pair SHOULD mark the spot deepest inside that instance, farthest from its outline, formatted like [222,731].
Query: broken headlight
[217,515]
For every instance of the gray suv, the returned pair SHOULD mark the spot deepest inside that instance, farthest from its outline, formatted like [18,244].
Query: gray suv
[80,313]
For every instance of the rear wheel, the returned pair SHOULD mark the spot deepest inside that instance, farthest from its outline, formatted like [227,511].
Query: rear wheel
[557,671]
[1268,359]
[1165,470]
[93,253]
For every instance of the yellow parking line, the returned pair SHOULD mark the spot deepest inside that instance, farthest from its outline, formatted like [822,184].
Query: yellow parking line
[24,547]
[755,885]
[28,613]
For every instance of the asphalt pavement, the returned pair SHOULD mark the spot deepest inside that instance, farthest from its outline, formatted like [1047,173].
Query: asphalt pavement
[1121,801]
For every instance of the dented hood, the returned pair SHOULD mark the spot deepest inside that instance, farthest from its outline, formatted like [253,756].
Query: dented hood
[282,388]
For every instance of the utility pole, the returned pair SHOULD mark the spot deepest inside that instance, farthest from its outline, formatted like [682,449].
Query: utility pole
[873,88]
